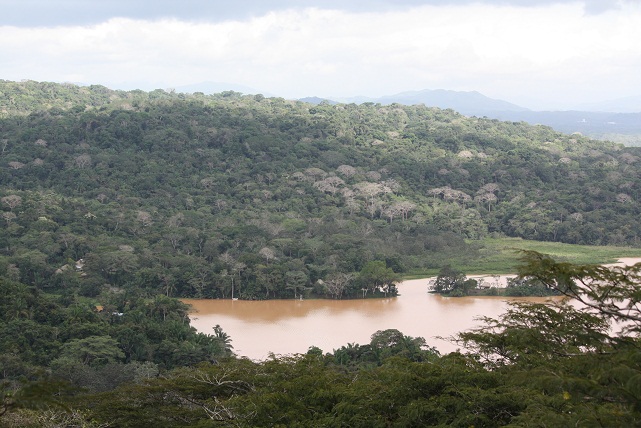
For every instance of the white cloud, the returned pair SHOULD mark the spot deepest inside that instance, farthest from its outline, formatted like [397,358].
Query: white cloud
[554,51]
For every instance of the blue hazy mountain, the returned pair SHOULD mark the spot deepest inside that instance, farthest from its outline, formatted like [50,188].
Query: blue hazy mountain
[630,104]
[470,103]
[618,120]
[317,100]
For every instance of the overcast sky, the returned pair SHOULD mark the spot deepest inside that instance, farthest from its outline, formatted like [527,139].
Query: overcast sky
[540,54]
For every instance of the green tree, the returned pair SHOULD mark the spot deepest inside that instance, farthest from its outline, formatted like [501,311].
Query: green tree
[296,280]
[375,275]
[39,394]
[569,350]
[391,342]
[93,350]
[448,280]
[224,340]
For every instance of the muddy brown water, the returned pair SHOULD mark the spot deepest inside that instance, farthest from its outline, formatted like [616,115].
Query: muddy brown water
[258,328]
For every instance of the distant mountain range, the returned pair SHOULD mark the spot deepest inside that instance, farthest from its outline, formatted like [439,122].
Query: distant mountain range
[596,124]
[599,122]
[467,103]
[618,120]
[620,105]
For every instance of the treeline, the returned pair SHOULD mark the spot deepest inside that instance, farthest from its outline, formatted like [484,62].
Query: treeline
[196,196]
[454,283]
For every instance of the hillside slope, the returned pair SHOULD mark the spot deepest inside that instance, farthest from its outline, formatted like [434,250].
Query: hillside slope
[191,195]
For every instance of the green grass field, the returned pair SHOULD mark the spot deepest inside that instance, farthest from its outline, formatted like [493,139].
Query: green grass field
[501,255]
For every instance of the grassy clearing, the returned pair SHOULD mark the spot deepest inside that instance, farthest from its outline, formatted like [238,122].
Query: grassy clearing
[501,255]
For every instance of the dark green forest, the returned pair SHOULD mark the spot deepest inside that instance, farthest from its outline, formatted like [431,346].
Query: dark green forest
[116,203]
[186,195]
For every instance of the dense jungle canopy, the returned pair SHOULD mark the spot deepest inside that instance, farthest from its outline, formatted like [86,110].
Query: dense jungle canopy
[115,203]
[189,194]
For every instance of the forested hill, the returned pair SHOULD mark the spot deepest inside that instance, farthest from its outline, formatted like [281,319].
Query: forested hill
[190,194]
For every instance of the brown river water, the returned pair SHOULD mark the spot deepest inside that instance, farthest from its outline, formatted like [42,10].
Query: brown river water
[258,328]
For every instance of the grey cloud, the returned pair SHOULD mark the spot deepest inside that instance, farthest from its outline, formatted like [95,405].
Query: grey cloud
[599,6]
[29,13]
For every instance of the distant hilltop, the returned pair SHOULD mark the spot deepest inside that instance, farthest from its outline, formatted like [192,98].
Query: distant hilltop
[617,120]
[600,123]
[468,103]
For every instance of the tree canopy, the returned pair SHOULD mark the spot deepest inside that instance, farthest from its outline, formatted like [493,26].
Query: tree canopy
[114,203]
[190,194]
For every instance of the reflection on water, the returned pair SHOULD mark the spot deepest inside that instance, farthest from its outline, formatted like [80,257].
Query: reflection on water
[292,326]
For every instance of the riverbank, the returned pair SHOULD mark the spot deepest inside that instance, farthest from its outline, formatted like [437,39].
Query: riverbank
[258,328]
[495,285]
[625,261]
[500,280]
[498,256]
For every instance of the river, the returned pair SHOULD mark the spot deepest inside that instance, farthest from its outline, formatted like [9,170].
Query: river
[292,326]
[258,328]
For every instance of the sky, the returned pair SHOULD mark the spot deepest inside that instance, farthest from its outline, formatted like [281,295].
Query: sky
[543,54]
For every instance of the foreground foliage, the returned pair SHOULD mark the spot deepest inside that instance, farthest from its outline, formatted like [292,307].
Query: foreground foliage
[554,364]
[131,338]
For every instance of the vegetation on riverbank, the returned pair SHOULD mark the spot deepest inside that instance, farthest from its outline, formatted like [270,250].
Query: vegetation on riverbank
[538,364]
[454,283]
[501,256]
